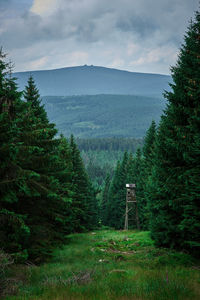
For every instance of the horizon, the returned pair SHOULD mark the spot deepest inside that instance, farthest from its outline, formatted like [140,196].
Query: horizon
[85,65]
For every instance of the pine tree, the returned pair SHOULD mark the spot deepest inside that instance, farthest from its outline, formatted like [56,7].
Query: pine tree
[41,195]
[135,174]
[13,231]
[39,176]
[117,195]
[32,96]
[175,210]
[104,201]
[84,205]
[39,156]
[149,148]
[148,153]
[111,204]
[66,189]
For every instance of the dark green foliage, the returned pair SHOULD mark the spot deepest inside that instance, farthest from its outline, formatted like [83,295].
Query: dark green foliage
[148,162]
[9,97]
[109,144]
[100,156]
[113,201]
[104,116]
[32,96]
[39,175]
[117,195]
[100,163]
[104,201]
[84,206]
[149,148]
[38,157]
[13,230]
[175,210]
[135,174]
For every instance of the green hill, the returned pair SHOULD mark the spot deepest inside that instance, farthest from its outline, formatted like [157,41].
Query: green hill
[104,115]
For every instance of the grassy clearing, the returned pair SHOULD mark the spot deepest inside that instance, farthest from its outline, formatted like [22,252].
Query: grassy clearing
[110,265]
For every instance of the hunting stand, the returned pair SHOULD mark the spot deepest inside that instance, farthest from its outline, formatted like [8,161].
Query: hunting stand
[131,206]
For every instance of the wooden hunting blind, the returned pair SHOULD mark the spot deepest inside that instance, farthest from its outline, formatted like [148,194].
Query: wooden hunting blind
[131,213]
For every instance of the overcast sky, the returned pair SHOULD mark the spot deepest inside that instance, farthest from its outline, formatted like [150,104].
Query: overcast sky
[134,35]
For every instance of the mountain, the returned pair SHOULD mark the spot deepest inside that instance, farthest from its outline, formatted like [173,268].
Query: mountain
[92,80]
[103,115]
[91,101]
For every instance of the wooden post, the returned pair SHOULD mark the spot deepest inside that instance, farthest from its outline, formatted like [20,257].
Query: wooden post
[131,204]
[126,215]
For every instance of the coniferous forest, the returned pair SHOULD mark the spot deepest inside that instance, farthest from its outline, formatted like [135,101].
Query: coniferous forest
[47,194]
[167,172]
[45,190]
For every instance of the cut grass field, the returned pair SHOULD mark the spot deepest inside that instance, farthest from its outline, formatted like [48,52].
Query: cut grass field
[108,264]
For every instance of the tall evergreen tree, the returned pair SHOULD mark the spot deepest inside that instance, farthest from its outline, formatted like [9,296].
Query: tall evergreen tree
[84,205]
[117,195]
[32,96]
[148,153]
[149,148]
[136,175]
[13,230]
[35,196]
[104,201]
[39,157]
[43,183]
[175,206]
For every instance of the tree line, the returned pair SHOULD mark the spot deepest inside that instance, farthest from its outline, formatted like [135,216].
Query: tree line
[45,192]
[131,169]
[167,170]
[109,144]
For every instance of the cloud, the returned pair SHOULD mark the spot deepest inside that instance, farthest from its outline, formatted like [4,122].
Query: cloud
[45,7]
[38,63]
[129,34]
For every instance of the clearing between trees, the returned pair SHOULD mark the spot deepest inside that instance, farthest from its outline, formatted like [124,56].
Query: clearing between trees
[108,264]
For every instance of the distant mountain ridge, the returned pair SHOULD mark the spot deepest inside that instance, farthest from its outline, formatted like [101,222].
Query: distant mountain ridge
[94,80]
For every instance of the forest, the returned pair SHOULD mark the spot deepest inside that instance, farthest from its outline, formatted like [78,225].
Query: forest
[50,210]
[101,116]
[100,155]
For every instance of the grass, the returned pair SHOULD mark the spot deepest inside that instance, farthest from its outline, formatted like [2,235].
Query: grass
[104,265]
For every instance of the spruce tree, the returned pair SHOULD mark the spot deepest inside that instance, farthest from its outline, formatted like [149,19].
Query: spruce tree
[13,230]
[140,183]
[104,201]
[41,196]
[39,173]
[111,204]
[148,148]
[117,195]
[175,206]
[148,153]
[135,174]
[84,205]
[32,96]
[40,154]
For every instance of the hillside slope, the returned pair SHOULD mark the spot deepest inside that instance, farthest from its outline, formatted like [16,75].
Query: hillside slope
[104,115]
[91,80]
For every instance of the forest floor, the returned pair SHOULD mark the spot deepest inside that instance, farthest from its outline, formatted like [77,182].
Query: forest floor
[106,264]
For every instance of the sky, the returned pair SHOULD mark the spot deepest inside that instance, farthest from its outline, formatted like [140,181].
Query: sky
[134,35]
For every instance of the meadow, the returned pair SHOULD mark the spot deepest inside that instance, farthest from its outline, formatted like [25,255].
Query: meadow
[106,265]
